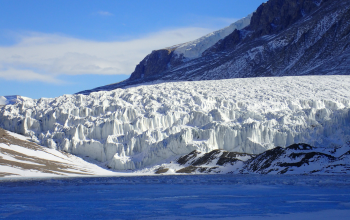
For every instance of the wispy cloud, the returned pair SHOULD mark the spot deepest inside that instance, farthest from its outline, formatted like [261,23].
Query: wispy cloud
[27,75]
[104,13]
[44,57]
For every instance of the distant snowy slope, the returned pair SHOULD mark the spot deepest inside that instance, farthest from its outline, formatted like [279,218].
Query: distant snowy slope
[149,124]
[194,49]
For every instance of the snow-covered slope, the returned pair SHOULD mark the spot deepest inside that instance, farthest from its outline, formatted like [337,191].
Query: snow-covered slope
[149,124]
[20,157]
[194,49]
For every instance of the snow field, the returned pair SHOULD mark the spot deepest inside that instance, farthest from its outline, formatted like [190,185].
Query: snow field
[142,126]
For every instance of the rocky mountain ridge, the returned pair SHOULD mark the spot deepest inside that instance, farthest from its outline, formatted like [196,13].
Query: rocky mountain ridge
[283,38]
[294,159]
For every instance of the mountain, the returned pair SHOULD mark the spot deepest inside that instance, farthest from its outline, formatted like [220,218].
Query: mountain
[294,159]
[281,38]
[143,126]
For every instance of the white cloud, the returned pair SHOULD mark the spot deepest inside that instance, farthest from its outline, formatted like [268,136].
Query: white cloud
[104,13]
[27,75]
[43,57]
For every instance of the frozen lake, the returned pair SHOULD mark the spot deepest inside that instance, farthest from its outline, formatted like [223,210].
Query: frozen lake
[178,197]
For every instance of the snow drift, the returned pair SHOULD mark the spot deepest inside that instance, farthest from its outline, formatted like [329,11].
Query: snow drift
[146,125]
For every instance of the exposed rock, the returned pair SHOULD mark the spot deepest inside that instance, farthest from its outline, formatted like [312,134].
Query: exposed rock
[228,43]
[231,158]
[189,169]
[197,158]
[188,157]
[157,62]
[295,159]
[277,15]
[301,159]
[161,170]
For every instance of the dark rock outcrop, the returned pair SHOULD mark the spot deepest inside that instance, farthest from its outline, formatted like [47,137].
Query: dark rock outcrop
[300,159]
[157,62]
[271,17]
[275,16]
[222,157]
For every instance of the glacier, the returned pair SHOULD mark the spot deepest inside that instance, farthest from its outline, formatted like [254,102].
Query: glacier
[141,126]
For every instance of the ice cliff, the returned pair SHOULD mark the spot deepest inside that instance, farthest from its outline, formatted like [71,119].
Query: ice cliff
[142,126]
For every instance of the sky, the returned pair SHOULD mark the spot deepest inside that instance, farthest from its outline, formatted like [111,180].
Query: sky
[51,48]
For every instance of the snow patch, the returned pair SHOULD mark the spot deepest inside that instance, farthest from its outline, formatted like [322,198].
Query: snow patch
[194,49]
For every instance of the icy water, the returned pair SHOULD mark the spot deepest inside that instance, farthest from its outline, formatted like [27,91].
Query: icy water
[178,197]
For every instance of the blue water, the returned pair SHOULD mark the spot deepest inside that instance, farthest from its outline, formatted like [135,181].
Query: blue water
[174,197]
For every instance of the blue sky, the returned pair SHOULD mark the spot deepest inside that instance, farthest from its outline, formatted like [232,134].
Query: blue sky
[51,48]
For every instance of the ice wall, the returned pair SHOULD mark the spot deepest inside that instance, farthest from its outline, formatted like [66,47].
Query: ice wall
[142,126]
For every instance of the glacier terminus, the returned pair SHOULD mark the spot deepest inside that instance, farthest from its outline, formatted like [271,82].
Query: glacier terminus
[143,126]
